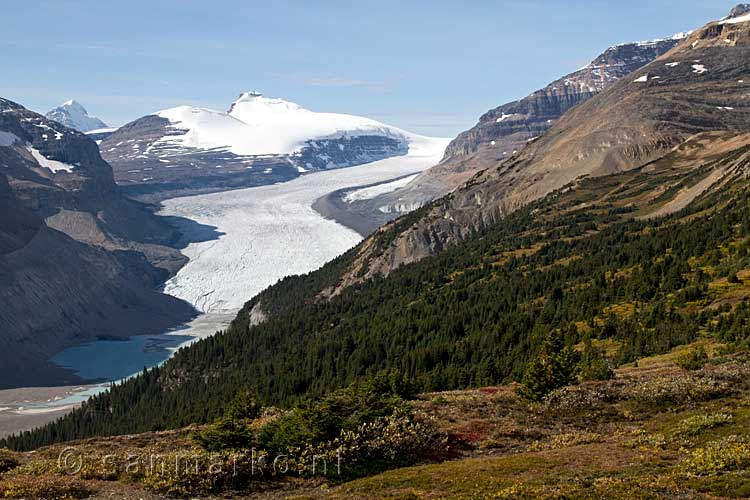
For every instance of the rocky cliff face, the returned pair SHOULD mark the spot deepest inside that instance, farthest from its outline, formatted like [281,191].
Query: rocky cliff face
[77,259]
[698,86]
[505,130]
[149,168]
[739,10]
[512,124]
[341,152]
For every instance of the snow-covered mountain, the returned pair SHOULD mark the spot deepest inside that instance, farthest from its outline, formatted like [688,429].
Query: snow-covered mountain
[259,140]
[737,12]
[73,115]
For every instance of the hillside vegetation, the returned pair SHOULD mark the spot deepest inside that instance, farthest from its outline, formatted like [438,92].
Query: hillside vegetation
[590,262]
[653,431]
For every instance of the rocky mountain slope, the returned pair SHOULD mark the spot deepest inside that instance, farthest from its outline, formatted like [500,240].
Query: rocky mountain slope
[73,115]
[78,260]
[698,86]
[642,260]
[258,141]
[505,130]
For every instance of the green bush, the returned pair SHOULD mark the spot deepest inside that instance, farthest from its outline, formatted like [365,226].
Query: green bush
[198,474]
[676,390]
[692,426]
[225,434]
[7,460]
[243,407]
[397,440]
[694,359]
[729,454]
[324,420]
[593,365]
[555,367]
[46,487]
[232,431]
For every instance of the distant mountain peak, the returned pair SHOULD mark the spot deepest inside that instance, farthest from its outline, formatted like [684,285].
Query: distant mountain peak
[73,115]
[739,10]
[252,94]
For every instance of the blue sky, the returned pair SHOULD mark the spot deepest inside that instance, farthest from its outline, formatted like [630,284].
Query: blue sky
[428,66]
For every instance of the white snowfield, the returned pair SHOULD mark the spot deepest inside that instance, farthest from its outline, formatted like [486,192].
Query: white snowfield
[257,125]
[105,130]
[736,20]
[272,231]
[371,192]
[53,165]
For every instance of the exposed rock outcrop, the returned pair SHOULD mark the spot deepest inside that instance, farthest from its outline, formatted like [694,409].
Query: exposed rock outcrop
[507,129]
[698,86]
[78,261]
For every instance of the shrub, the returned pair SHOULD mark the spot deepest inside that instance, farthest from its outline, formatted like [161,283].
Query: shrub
[397,440]
[696,424]
[593,365]
[728,454]
[644,439]
[342,410]
[198,474]
[7,460]
[232,431]
[47,487]
[694,359]
[225,434]
[576,399]
[555,367]
[243,406]
[566,440]
[676,390]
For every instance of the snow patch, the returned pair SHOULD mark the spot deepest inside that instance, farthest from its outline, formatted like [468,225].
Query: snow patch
[53,165]
[105,130]
[699,69]
[371,192]
[642,79]
[736,20]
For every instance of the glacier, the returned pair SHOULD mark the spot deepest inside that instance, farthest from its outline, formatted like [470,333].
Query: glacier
[271,232]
